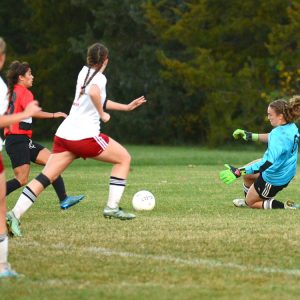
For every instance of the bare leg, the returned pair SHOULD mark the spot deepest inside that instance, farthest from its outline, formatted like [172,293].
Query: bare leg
[116,154]
[253,200]
[55,165]
[5,270]
[2,204]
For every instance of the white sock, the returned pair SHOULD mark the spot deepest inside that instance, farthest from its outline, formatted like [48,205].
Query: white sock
[268,204]
[24,202]
[116,189]
[246,189]
[3,250]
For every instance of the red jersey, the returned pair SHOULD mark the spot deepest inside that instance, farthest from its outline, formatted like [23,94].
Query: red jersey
[20,99]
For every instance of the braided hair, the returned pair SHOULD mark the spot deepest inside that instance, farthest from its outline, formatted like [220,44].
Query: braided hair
[15,70]
[289,109]
[96,55]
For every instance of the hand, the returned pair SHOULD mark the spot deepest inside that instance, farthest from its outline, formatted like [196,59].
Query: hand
[246,135]
[32,108]
[231,174]
[59,115]
[136,103]
[105,117]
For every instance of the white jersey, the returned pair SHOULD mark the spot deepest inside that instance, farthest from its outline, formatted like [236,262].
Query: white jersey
[83,120]
[3,102]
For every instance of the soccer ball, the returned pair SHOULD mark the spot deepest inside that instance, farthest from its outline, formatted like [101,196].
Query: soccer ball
[143,200]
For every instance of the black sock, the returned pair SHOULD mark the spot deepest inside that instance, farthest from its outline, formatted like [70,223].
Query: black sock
[12,185]
[59,187]
[277,204]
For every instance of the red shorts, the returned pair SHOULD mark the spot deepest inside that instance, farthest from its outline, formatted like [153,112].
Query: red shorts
[1,164]
[89,147]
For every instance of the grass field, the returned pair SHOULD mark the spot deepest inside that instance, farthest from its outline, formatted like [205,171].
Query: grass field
[193,245]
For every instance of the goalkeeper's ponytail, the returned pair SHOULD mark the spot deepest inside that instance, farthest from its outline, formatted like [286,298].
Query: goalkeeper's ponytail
[293,109]
[290,109]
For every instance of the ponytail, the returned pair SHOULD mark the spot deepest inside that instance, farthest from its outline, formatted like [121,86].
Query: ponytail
[96,55]
[289,109]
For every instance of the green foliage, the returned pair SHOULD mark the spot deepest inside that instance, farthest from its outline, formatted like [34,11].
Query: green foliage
[206,67]
[221,59]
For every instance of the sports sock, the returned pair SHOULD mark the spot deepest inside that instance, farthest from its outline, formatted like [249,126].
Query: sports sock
[3,249]
[116,189]
[26,199]
[246,189]
[12,185]
[272,204]
[59,187]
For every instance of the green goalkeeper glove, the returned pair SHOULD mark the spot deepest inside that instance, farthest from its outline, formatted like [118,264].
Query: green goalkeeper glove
[231,174]
[246,135]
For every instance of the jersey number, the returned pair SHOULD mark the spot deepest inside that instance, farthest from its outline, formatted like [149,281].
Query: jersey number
[296,141]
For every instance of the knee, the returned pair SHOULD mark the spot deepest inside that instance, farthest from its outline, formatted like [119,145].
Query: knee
[126,158]
[22,180]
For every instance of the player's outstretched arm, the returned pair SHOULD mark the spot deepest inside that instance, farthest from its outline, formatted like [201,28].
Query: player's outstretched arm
[112,105]
[231,174]
[250,136]
[49,115]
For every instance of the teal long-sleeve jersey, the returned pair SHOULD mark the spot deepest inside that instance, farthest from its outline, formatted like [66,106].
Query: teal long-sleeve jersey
[278,165]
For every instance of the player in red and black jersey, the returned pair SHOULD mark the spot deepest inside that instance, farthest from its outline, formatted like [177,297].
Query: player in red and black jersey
[20,148]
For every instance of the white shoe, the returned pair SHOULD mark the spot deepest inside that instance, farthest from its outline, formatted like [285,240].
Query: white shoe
[291,205]
[239,203]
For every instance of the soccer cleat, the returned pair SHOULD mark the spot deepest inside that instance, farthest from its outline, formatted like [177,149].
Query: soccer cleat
[13,224]
[117,213]
[70,201]
[8,272]
[291,205]
[239,203]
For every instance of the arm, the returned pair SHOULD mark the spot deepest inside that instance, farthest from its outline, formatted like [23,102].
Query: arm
[94,93]
[48,115]
[274,151]
[112,105]
[249,136]
[31,109]
[232,173]
[263,137]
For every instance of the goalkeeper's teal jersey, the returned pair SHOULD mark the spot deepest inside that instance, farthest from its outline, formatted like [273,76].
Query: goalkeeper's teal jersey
[282,153]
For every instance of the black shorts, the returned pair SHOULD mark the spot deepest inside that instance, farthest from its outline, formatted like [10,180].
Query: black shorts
[266,190]
[21,149]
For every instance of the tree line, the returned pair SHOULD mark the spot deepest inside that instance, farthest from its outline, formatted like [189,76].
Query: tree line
[205,66]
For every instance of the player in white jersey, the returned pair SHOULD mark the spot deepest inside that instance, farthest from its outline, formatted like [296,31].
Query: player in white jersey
[79,136]
[31,109]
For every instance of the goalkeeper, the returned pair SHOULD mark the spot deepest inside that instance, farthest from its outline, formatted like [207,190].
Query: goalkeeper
[265,177]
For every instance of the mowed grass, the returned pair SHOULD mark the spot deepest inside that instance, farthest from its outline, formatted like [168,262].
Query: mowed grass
[193,245]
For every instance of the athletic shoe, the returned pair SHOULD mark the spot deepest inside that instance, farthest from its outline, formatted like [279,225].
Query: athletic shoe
[13,224]
[291,205]
[117,213]
[239,203]
[8,272]
[70,201]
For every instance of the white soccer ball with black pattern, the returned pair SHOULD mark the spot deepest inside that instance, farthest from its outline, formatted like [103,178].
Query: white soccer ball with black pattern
[143,200]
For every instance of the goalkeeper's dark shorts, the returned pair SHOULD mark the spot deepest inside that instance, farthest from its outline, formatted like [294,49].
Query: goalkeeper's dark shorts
[266,190]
